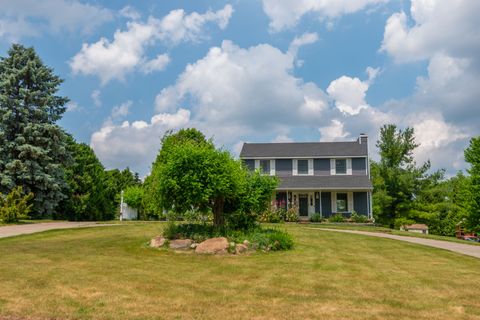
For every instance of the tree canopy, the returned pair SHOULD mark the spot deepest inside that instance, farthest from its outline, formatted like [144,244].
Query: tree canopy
[472,156]
[191,174]
[32,146]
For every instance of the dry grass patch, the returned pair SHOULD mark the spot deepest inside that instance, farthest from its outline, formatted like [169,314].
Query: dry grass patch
[110,273]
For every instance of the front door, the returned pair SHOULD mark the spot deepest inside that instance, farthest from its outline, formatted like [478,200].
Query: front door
[303,205]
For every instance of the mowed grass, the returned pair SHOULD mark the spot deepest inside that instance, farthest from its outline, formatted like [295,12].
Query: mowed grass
[370,228]
[110,273]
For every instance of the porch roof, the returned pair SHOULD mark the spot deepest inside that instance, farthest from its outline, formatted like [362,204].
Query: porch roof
[325,182]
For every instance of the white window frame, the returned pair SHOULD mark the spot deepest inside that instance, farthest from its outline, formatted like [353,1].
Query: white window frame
[333,166]
[295,168]
[350,203]
[272,166]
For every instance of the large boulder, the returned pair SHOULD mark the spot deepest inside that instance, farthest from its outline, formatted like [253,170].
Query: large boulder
[180,244]
[157,242]
[213,246]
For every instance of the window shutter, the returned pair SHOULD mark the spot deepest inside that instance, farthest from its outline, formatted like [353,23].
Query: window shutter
[310,167]
[349,166]
[350,202]
[334,202]
[272,167]
[332,167]
[295,172]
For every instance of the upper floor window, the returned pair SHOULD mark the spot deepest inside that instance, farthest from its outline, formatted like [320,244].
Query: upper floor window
[265,166]
[341,166]
[302,166]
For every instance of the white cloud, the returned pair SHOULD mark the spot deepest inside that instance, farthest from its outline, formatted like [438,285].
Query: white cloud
[306,38]
[178,26]
[334,132]
[349,93]
[286,13]
[231,85]
[114,59]
[451,27]
[439,141]
[157,64]
[121,111]
[96,98]
[28,18]
[135,144]
[129,12]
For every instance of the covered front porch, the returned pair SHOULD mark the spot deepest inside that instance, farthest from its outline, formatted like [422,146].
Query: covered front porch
[308,202]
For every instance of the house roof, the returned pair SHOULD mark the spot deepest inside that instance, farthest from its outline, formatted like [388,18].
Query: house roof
[304,149]
[325,182]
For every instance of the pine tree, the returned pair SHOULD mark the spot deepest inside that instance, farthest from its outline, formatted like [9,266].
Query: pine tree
[33,148]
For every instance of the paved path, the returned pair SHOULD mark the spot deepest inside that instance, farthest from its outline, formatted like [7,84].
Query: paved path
[15,230]
[467,249]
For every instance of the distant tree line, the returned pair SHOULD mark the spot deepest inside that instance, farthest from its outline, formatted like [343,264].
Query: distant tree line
[405,193]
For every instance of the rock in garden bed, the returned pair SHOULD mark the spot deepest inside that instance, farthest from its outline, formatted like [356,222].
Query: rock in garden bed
[213,246]
[157,242]
[180,244]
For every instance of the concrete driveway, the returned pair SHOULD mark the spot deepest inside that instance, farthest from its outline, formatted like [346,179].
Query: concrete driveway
[466,249]
[15,230]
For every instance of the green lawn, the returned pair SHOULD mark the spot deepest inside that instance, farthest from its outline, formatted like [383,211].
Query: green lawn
[370,228]
[109,273]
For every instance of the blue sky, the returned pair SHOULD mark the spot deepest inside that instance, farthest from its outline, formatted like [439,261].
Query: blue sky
[266,70]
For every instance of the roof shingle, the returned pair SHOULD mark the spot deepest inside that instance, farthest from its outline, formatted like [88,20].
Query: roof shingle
[303,149]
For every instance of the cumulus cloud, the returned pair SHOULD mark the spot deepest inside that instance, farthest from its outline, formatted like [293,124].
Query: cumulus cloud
[333,132]
[251,87]
[114,59]
[434,26]
[135,144]
[349,93]
[27,18]
[157,64]
[286,13]
[445,102]
[178,26]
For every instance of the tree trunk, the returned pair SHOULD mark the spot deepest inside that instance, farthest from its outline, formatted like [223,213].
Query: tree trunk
[218,219]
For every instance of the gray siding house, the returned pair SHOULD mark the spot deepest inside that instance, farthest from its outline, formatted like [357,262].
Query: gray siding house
[316,177]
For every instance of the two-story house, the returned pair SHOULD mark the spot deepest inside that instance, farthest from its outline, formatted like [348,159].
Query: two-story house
[316,177]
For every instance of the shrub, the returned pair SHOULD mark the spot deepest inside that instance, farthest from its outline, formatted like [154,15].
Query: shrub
[358,218]
[291,215]
[240,220]
[316,218]
[14,206]
[272,216]
[336,218]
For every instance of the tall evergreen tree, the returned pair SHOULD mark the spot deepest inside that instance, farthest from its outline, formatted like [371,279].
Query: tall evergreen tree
[33,148]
